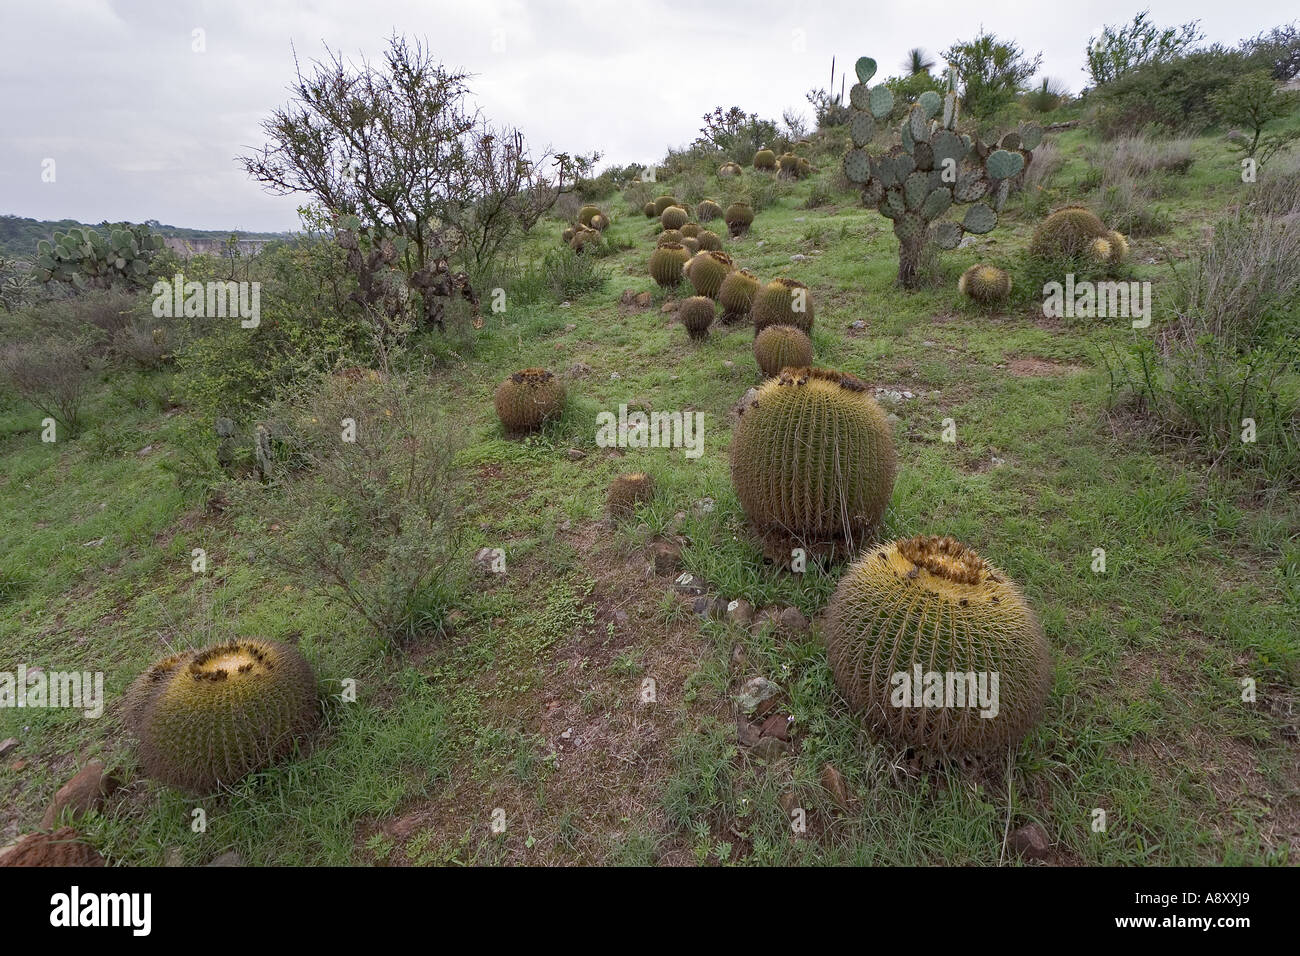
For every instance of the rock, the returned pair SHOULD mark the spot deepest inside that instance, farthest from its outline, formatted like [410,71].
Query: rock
[747,734]
[620,616]
[745,402]
[687,583]
[755,694]
[614,376]
[145,450]
[760,243]
[669,307]
[644,301]
[798,257]
[728,364]
[1030,841]
[628,296]
[740,612]
[485,558]
[766,617]
[8,746]
[576,454]
[833,783]
[777,725]
[229,858]
[706,606]
[666,556]
[859,324]
[792,620]
[18,766]
[738,656]
[174,857]
[566,305]
[84,792]
[703,506]
[578,370]
[770,748]
[63,847]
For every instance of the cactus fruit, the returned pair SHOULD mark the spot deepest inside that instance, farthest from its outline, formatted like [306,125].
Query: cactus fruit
[674,217]
[211,717]
[649,210]
[730,169]
[812,460]
[697,315]
[587,213]
[708,240]
[779,346]
[690,229]
[627,491]
[739,217]
[708,210]
[662,203]
[783,302]
[666,264]
[765,160]
[1067,234]
[987,285]
[736,295]
[668,235]
[527,398]
[931,606]
[707,271]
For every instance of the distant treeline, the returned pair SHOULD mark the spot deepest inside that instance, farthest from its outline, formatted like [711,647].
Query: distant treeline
[18,236]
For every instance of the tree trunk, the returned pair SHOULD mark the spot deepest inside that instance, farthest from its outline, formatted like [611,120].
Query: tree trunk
[909,261]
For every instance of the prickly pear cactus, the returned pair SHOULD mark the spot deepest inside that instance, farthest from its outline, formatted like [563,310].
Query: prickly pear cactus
[88,259]
[916,184]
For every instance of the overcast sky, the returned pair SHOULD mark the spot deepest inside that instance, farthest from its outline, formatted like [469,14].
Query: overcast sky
[141,125]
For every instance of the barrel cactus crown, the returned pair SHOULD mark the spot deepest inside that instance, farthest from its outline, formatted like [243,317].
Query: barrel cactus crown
[627,491]
[781,346]
[765,159]
[649,210]
[587,213]
[736,295]
[674,217]
[916,184]
[812,460]
[783,302]
[708,210]
[209,718]
[662,203]
[666,264]
[739,217]
[528,398]
[985,284]
[1099,251]
[708,240]
[697,314]
[708,270]
[915,621]
[1067,233]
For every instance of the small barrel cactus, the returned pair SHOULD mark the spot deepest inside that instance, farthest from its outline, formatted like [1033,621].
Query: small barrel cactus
[708,240]
[627,491]
[781,346]
[783,302]
[985,284]
[587,213]
[567,235]
[674,217]
[1067,233]
[528,398]
[915,622]
[599,222]
[583,237]
[707,270]
[690,229]
[649,210]
[668,235]
[1118,247]
[1099,251]
[697,314]
[666,264]
[736,295]
[765,159]
[691,243]
[662,203]
[708,210]
[739,217]
[209,718]
[730,169]
[812,460]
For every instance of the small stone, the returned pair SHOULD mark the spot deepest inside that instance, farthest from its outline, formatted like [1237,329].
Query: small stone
[728,364]
[1030,841]
[687,583]
[565,525]
[96,543]
[792,620]
[174,856]
[777,725]
[740,612]
[578,370]
[627,296]
[614,376]
[833,783]
[229,858]
[486,558]
[928,343]
[760,243]
[703,506]
[667,557]
[18,766]
[755,693]
[576,454]
[620,616]
[145,450]
[565,305]
[859,324]
[738,656]
[798,257]
[84,792]
[668,307]
[770,748]
[8,746]
[747,734]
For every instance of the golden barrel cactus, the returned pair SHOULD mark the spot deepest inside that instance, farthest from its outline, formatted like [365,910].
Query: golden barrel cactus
[528,398]
[765,160]
[1067,233]
[736,295]
[781,346]
[783,302]
[708,240]
[649,210]
[697,314]
[985,284]
[627,491]
[662,203]
[587,213]
[674,217]
[666,264]
[707,270]
[708,210]
[739,217]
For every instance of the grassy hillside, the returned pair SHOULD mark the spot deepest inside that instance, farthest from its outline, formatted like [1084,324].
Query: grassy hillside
[532,701]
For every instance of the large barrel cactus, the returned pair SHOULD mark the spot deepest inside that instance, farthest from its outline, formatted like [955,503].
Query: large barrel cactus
[674,217]
[765,160]
[812,459]
[783,302]
[528,398]
[708,240]
[736,295]
[916,184]
[662,203]
[587,213]
[707,271]
[1067,233]
[708,210]
[211,717]
[739,217]
[779,346]
[669,235]
[697,314]
[666,264]
[649,210]
[918,628]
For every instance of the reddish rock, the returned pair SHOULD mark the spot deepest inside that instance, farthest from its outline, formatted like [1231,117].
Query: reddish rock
[84,792]
[833,783]
[777,725]
[667,557]
[60,848]
[1031,842]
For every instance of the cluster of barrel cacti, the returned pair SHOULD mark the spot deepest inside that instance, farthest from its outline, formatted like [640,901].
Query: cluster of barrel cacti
[1075,232]
[88,259]
[587,230]
[915,184]
[792,166]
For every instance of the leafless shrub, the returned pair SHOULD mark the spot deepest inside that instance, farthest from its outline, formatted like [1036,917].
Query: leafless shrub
[52,374]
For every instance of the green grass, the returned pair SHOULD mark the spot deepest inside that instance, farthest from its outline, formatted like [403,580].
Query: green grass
[1145,720]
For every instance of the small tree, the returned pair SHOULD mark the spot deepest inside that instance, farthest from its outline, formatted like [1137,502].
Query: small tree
[1120,49]
[737,133]
[1278,51]
[1252,102]
[991,72]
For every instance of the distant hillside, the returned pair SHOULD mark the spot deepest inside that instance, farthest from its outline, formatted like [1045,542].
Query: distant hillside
[18,236]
